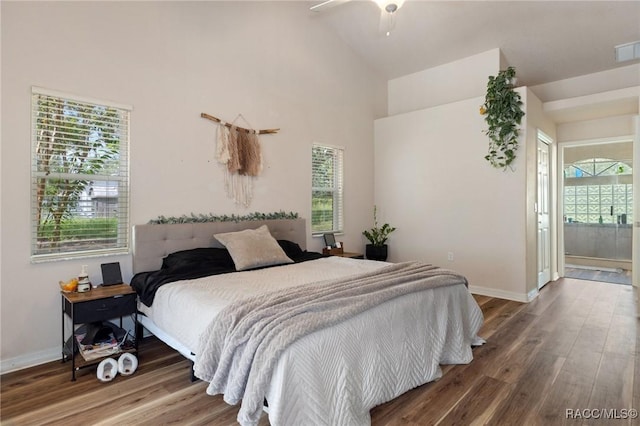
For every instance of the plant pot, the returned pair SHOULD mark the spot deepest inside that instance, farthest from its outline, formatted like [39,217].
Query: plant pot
[376,252]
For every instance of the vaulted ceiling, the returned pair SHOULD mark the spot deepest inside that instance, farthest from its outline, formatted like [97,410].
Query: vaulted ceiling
[545,40]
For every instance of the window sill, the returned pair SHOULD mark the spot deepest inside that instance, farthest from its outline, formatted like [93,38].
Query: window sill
[55,257]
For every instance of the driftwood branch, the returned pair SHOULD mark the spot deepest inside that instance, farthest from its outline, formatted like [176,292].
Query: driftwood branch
[217,120]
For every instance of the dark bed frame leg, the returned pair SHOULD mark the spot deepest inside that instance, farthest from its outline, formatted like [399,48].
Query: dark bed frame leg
[193,377]
[138,331]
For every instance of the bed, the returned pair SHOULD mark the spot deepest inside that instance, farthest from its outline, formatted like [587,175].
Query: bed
[327,355]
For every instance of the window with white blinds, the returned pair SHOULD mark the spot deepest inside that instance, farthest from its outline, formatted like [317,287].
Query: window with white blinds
[79,177]
[327,184]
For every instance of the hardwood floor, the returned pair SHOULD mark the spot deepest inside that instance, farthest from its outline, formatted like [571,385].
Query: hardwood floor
[576,347]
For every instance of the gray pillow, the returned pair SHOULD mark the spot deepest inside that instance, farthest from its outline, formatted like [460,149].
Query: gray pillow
[253,248]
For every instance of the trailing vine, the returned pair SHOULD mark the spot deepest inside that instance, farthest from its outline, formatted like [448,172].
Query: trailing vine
[203,218]
[502,110]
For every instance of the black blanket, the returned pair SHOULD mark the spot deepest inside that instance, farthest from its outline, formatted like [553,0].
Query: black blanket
[192,264]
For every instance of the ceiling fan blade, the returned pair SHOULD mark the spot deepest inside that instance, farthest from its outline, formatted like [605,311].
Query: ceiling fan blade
[326,4]
[319,6]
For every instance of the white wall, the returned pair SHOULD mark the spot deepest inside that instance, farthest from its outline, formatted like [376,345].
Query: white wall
[600,128]
[584,85]
[455,81]
[433,183]
[172,61]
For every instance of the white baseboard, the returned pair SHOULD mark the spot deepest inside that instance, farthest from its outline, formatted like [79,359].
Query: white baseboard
[30,360]
[502,294]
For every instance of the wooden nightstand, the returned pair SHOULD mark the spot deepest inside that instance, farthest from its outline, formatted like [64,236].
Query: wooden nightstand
[351,255]
[99,304]
[339,251]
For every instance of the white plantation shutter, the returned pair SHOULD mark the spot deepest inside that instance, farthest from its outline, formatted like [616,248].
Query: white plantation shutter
[79,176]
[327,189]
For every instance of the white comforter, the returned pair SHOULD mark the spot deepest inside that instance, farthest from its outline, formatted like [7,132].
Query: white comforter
[335,376]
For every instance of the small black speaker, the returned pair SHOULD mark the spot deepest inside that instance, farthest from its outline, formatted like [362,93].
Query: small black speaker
[111,274]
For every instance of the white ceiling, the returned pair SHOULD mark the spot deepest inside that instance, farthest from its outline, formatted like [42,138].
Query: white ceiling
[545,40]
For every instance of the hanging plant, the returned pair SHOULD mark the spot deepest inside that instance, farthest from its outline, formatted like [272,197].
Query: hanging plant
[503,113]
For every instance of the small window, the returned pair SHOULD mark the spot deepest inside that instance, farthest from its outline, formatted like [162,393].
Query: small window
[79,177]
[327,183]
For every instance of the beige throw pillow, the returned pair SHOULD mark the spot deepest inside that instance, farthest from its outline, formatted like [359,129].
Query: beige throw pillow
[253,248]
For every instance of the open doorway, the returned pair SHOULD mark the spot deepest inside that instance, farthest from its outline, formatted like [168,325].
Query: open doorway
[598,211]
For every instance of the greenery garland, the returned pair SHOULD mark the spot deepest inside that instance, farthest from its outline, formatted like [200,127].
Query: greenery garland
[503,113]
[203,218]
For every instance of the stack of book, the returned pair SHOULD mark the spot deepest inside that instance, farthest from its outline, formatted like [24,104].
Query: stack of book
[105,347]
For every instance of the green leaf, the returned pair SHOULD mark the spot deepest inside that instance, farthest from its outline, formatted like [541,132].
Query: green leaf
[503,115]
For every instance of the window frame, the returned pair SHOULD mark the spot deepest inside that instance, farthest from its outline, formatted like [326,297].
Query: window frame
[119,178]
[336,189]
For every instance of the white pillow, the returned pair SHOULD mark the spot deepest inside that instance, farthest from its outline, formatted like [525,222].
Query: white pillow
[253,248]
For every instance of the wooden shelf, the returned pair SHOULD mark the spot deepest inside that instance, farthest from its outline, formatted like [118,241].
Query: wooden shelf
[341,253]
[98,293]
[80,362]
[333,251]
[351,255]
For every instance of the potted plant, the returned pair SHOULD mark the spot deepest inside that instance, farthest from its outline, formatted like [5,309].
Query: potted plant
[502,110]
[377,236]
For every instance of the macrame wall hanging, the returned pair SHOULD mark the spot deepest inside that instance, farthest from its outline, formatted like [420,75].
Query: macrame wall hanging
[238,149]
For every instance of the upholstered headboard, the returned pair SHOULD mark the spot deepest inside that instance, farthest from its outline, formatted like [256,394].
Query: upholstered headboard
[151,243]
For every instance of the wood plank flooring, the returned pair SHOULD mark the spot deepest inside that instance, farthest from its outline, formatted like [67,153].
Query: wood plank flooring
[576,347]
